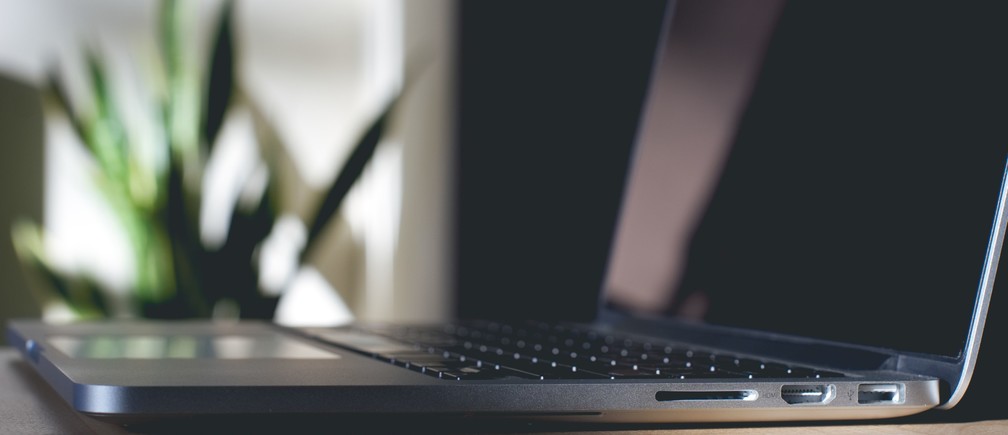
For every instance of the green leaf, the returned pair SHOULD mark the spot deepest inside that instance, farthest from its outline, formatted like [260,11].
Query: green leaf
[187,252]
[82,295]
[55,92]
[168,26]
[181,109]
[105,133]
[221,78]
[348,174]
[360,156]
[26,237]
[271,148]
[230,274]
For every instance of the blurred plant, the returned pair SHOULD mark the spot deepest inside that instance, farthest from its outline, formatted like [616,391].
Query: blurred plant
[176,275]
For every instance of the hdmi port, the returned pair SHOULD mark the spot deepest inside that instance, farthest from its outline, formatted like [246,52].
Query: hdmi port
[808,394]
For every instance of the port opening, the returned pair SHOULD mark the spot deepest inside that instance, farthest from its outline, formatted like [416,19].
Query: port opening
[808,394]
[880,394]
[677,396]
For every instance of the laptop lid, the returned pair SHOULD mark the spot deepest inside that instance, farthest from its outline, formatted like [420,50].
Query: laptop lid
[822,171]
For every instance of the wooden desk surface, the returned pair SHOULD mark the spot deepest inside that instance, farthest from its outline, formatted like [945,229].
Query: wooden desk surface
[28,405]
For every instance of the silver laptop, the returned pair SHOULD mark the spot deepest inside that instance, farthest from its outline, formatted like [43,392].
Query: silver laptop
[799,240]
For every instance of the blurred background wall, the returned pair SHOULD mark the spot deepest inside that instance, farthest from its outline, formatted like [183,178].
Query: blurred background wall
[20,188]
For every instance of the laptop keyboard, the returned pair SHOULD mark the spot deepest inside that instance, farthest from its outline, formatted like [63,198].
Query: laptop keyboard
[530,350]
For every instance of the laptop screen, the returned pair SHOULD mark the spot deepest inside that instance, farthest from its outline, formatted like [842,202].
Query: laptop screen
[822,169]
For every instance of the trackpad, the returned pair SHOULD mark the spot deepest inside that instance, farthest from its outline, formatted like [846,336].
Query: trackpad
[232,346]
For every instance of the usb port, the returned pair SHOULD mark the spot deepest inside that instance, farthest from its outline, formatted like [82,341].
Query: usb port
[870,394]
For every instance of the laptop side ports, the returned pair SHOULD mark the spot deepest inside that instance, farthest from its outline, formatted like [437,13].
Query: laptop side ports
[808,394]
[677,396]
[871,394]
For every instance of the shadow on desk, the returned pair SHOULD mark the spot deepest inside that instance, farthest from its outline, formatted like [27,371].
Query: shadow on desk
[329,424]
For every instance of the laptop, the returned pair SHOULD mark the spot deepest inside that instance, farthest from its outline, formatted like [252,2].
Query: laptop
[804,240]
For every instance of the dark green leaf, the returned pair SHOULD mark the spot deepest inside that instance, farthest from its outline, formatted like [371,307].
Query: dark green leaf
[351,171]
[98,84]
[55,88]
[221,77]
[187,251]
[230,273]
[359,157]
[273,153]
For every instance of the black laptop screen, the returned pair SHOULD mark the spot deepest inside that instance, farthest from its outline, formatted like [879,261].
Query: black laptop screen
[829,170]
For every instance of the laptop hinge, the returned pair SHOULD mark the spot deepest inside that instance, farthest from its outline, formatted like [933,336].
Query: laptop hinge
[947,369]
[779,346]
